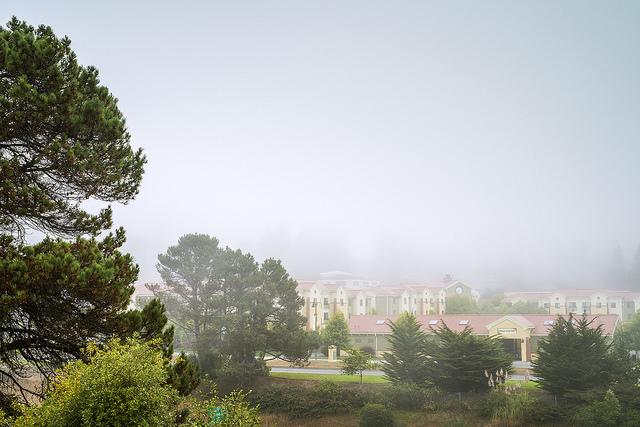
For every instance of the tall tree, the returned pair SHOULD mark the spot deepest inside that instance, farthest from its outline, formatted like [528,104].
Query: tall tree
[575,357]
[336,332]
[58,296]
[461,358]
[63,139]
[185,270]
[237,309]
[407,360]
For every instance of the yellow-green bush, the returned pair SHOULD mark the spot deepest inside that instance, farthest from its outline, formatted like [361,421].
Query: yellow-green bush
[123,384]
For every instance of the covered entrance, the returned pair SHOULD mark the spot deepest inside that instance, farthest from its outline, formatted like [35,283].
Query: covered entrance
[513,347]
[515,333]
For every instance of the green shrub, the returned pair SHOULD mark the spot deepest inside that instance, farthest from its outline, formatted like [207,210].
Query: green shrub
[122,385]
[599,413]
[630,418]
[231,376]
[9,405]
[513,407]
[376,415]
[234,410]
[324,398]
[407,396]
[542,411]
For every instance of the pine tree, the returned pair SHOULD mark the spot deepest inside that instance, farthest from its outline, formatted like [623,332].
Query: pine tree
[63,139]
[462,358]
[407,361]
[575,357]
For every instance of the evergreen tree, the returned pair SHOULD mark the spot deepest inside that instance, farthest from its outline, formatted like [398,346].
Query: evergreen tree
[185,270]
[59,296]
[575,357]
[407,361]
[462,358]
[235,307]
[336,332]
[63,139]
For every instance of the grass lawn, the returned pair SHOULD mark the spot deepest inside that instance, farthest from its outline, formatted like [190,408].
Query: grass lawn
[339,378]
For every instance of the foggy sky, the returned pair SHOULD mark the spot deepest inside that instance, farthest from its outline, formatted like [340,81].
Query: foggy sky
[496,141]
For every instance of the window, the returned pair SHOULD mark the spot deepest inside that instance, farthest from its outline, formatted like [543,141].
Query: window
[341,301]
[361,303]
[405,300]
[557,305]
[612,305]
[546,305]
[325,316]
[433,322]
[548,323]
[379,322]
[572,305]
[326,301]
[598,305]
[463,322]
[584,304]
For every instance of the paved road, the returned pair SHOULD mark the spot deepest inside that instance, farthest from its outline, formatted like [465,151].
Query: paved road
[328,371]
[322,371]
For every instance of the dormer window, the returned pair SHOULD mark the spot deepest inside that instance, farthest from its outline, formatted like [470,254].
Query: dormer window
[463,322]
[548,323]
[433,322]
[379,322]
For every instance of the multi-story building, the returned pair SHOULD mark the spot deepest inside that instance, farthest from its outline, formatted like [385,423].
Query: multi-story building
[590,301]
[323,298]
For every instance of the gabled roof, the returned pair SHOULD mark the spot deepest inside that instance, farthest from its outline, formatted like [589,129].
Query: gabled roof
[479,323]
[516,318]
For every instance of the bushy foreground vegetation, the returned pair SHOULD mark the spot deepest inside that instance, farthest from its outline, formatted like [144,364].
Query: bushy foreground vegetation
[125,384]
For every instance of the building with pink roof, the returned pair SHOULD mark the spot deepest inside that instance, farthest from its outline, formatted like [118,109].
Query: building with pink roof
[520,333]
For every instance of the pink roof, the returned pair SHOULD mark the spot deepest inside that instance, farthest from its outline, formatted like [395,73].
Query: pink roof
[371,324]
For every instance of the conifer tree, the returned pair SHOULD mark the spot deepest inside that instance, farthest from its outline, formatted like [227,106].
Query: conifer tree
[407,361]
[462,358]
[575,357]
[63,139]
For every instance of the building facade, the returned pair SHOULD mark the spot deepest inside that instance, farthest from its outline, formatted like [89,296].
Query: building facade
[323,298]
[519,333]
[590,301]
